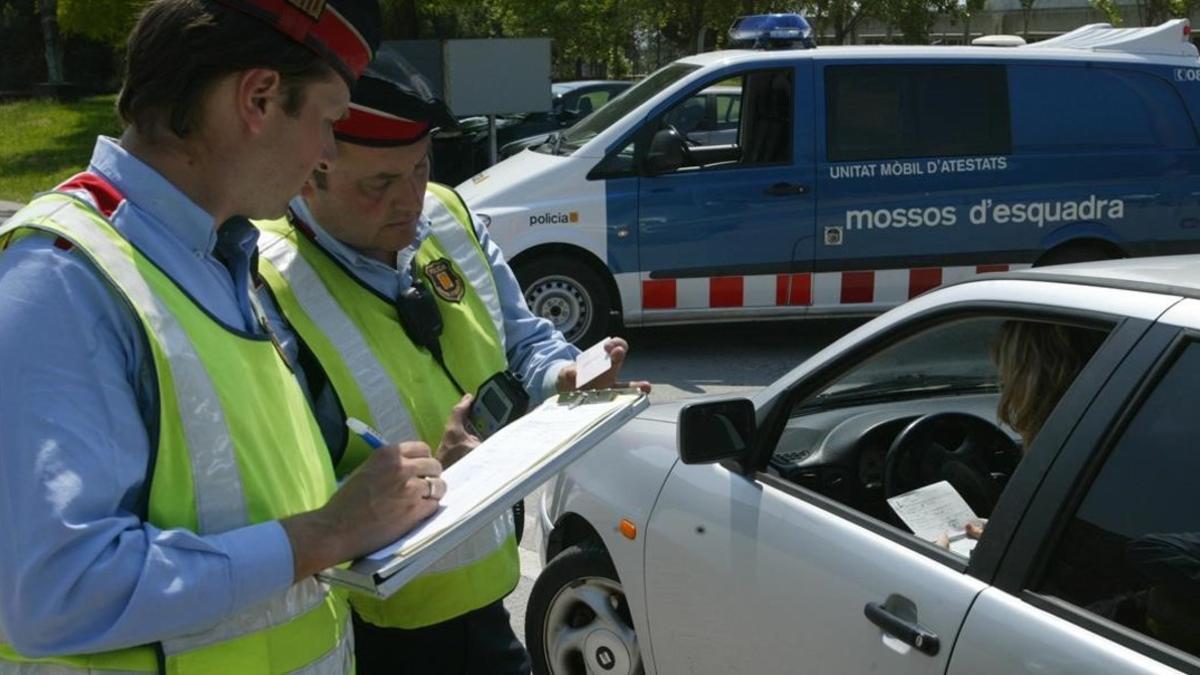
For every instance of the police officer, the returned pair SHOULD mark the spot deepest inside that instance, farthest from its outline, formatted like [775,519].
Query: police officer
[166,494]
[369,234]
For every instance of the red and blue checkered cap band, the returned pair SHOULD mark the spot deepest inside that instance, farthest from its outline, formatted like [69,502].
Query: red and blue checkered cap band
[343,32]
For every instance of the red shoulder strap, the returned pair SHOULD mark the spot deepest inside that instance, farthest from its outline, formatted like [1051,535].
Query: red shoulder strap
[104,195]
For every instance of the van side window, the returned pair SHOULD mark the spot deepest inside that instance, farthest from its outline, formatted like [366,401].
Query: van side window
[1131,552]
[890,112]
[1073,109]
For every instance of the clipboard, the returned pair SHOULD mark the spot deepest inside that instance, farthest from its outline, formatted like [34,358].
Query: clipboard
[385,572]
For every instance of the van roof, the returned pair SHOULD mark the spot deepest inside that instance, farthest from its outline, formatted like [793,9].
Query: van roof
[1028,53]
[1165,43]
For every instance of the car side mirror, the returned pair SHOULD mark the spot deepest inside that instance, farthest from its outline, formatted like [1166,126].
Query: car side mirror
[713,431]
[667,154]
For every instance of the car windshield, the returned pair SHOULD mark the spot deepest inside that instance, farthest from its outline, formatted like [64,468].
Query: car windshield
[587,128]
[954,360]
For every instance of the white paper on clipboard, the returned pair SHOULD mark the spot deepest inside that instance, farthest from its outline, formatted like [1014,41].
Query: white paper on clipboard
[485,483]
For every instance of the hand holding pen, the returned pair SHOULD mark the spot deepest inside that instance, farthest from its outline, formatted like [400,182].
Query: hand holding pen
[396,488]
[435,487]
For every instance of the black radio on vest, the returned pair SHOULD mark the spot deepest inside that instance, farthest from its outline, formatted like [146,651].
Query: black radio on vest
[420,316]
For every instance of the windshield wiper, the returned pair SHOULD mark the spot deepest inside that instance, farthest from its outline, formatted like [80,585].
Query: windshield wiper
[902,387]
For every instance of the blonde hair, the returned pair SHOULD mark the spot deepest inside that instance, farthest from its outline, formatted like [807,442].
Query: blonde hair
[1036,363]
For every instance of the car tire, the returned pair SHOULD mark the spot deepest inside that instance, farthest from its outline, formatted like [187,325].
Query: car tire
[1077,252]
[570,294]
[577,620]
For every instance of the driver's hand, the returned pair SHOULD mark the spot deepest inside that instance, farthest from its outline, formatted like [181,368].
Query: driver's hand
[975,528]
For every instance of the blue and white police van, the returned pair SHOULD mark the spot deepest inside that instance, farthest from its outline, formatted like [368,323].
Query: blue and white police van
[858,177]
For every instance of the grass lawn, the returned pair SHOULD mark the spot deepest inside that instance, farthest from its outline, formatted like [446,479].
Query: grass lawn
[43,142]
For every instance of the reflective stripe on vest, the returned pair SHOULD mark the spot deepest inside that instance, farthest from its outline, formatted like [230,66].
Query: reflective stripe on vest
[456,235]
[304,619]
[388,413]
[359,341]
[220,505]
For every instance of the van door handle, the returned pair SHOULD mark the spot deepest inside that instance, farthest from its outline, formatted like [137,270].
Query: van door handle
[786,190]
[906,631]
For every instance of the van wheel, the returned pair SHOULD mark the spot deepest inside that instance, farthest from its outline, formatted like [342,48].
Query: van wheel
[1077,252]
[570,294]
[578,621]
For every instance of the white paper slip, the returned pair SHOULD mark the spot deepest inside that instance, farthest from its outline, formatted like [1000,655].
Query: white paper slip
[935,510]
[592,363]
[494,465]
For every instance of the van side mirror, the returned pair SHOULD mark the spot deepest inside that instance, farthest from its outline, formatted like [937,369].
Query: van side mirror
[668,152]
[713,431]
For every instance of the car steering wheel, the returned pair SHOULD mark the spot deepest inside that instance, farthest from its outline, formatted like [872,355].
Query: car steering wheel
[969,452]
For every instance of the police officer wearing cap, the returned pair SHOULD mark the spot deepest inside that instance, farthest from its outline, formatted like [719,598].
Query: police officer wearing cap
[361,243]
[165,491]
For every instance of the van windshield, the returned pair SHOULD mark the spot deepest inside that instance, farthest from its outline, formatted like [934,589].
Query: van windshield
[587,128]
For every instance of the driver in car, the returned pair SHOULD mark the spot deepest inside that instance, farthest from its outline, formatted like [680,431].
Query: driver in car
[1036,363]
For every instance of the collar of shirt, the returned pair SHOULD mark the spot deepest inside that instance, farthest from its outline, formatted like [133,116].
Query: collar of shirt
[386,280]
[167,226]
[155,196]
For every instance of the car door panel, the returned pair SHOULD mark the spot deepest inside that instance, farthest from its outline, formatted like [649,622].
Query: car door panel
[1004,635]
[744,576]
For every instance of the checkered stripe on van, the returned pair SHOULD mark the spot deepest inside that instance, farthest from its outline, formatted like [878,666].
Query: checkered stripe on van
[809,289]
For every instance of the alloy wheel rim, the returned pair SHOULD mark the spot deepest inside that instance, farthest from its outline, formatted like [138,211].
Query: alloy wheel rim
[587,630]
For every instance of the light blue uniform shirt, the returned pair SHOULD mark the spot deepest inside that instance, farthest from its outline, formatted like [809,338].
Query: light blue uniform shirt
[80,570]
[536,352]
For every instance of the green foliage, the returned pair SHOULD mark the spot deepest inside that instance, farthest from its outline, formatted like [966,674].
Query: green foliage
[106,21]
[43,142]
[1110,10]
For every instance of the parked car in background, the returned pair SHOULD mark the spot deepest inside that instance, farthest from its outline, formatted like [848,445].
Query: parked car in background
[732,535]
[465,153]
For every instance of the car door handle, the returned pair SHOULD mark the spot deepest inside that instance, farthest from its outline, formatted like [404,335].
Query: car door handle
[902,629]
[786,190]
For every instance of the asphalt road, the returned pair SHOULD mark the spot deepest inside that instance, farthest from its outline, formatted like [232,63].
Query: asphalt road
[686,361]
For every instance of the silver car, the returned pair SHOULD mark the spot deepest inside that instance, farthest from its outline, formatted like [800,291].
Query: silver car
[728,535]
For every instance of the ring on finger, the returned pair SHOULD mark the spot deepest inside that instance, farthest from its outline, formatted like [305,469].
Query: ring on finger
[429,484]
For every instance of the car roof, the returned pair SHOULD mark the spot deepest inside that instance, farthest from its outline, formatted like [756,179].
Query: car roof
[926,52]
[564,87]
[1174,275]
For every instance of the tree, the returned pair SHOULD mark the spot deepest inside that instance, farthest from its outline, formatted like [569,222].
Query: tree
[50,37]
[1026,12]
[971,8]
[915,18]
[1110,10]
[107,21]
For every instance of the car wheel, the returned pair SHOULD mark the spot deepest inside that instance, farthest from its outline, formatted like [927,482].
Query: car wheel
[578,621]
[570,294]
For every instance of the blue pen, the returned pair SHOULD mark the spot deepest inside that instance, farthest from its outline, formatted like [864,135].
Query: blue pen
[370,436]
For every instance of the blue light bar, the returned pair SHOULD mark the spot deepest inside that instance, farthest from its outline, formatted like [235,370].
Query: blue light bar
[771,31]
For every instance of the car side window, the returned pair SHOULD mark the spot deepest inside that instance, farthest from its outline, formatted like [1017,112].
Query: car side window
[738,121]
[957,402]
[878,111]
[1131,551]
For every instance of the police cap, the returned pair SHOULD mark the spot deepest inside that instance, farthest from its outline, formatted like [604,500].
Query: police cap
[343,32]
[392,104]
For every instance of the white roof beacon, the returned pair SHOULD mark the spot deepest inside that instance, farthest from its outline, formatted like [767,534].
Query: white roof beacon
[999,41]
[1170,38]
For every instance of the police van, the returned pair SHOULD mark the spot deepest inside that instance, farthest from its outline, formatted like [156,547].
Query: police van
[857,178]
